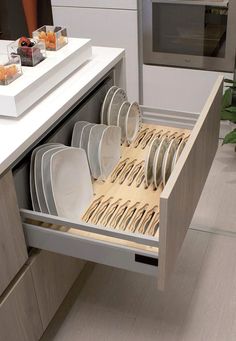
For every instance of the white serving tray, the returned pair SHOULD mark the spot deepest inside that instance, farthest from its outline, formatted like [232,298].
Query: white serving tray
[37,81]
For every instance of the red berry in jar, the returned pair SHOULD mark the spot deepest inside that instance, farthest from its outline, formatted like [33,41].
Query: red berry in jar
[24,41]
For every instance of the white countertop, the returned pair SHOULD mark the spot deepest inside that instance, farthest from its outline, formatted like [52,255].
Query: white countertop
[17,134]
[116,4]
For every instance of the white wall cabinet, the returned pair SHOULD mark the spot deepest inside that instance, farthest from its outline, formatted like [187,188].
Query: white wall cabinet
[177,88]
[115,27]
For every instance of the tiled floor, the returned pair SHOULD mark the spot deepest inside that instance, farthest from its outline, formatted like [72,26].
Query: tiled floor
[200,304]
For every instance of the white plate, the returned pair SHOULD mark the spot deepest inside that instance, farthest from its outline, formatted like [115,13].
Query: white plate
[106,103]
[117,100]
[121,119]
[77,131]
[38,176]
[85,136]
[167,162]
[177,154]
[33,194]
[46,179]
[93,146]
[158,159]
[71,182]
[132,121]
[148,166]
[109,150]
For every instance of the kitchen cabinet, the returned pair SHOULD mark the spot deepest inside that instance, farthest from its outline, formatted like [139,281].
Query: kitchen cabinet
[106,24]
[153,255]
[33,287]
[80,97]
[19,313]
[13,253]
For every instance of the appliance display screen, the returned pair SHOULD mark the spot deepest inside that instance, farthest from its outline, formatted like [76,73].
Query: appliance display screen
[189,29]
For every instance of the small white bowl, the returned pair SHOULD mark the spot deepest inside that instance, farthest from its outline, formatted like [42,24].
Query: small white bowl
[117,100]
[106,102]
[148,166]
[158,160]
[132,121]
[122,118]
[167,161]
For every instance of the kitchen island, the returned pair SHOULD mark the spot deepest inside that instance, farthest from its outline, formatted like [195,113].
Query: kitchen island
[33,283]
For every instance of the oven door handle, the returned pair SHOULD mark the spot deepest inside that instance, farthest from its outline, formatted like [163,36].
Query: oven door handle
[223,3]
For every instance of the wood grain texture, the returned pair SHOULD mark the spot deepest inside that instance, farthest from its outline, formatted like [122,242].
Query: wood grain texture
[181,194]
[13,253]
[53,276]
[19,311]
[216,207]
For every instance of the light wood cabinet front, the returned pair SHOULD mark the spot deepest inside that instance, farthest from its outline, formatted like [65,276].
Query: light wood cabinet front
[19,312]
[53,276]
[13,252]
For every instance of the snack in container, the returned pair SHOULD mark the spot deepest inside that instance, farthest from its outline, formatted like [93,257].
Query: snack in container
[30,51]
[55,37]
[10,69]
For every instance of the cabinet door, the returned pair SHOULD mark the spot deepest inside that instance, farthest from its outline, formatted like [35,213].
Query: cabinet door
[13,252]
[106,27]
[19,312]
[53,277]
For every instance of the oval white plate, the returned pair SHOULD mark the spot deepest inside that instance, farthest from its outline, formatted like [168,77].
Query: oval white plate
[33,194]
[157,162]
[71,182]
[177,154]
[93,146]
[148,166]
[132,121]
[106,102]
[167,162]
[117,100]
[38,176]
[46,179]
[109,150]
[121,119]
[77,131]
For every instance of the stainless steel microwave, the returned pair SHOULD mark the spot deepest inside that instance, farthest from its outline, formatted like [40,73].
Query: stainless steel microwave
[197,34]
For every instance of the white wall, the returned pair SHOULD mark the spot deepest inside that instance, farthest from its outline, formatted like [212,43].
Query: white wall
[177,88]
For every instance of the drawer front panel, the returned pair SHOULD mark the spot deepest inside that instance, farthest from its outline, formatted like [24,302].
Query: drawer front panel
[13,253]
[19,311]
[180,196]
[53,275]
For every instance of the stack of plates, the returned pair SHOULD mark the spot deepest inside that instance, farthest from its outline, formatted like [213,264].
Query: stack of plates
[117,111]
[102,145]
[161,159]
[60,181]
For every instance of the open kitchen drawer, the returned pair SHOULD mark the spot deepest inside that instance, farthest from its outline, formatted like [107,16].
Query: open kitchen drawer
[150,254]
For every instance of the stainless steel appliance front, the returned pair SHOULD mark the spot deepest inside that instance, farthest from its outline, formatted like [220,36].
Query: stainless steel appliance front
[189,33]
